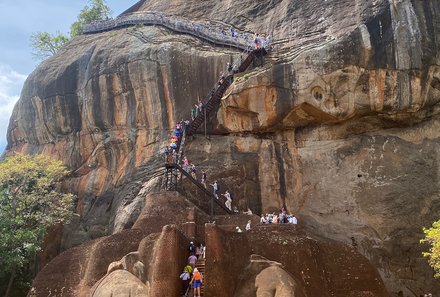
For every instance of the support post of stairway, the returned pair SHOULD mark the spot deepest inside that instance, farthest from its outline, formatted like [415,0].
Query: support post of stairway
[205,120]
[212,207]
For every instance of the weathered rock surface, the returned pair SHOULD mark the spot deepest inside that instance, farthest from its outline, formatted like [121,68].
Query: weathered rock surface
[121,283]
[267,278]
[307,265]
[304,266]
[340,125]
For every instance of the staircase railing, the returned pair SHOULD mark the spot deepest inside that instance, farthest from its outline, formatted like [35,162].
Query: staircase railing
[213,199]
[222,85]
[204,30]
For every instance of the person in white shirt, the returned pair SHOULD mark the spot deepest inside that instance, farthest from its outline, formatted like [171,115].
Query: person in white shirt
[228,202]
[294,220]
[248,225]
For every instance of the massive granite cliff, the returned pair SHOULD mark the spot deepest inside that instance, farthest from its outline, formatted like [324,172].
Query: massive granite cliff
[340,124]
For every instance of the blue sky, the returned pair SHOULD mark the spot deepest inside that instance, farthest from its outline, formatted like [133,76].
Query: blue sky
[18,20]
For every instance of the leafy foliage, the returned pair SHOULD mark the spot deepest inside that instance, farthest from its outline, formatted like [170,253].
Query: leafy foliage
[96,12]
[432,237]
[29,204]
[45,44]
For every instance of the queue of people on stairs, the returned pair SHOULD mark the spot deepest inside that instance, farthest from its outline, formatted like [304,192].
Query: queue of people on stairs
[175,140]
[190,274]
[192,169]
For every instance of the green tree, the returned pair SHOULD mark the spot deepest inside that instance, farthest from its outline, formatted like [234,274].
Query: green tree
[45,44]
[29,204]
[98,10]
[432,237]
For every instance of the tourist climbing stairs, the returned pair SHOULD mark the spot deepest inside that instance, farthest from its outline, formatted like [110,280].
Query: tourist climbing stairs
[216,95]
[200,265]
[206,192]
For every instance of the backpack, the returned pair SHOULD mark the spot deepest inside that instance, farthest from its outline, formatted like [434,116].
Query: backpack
[218,187]
[230,195]
[197,276]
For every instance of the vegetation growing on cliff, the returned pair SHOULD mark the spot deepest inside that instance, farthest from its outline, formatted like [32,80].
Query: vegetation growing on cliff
[97,11]
[45,44]
[432,237]
[29,204]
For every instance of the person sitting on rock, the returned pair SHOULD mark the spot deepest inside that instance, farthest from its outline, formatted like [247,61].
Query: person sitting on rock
[197,279]
[248,225]
[238,230]
[263,220]
[294,220]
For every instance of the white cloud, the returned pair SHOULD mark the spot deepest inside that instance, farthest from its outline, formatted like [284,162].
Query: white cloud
[11,83]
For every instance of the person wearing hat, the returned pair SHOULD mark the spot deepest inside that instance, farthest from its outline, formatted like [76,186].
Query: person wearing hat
[197,279]
[191,247]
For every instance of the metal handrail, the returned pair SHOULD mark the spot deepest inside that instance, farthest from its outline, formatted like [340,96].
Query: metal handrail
[216,34]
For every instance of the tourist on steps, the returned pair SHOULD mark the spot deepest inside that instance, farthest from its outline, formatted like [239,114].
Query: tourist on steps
[185,164]
[191,248]
[193,171]
[193,113]
[188,268]
[215,188]
[203,181]
[192,259]
[185,277]
[197,279]
[199,251]
[228,202]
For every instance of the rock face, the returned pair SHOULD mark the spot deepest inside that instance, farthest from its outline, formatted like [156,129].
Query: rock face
[340,125]
[302,265]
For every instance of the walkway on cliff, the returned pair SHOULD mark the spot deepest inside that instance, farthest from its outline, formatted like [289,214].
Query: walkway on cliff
[215,33]
[173,170]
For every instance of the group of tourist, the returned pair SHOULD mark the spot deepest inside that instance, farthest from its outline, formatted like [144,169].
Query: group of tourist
[173,148]
[192,169]
[247,227]
[196,110]
[190,274]
[215,191]
[259,40]
[282,218]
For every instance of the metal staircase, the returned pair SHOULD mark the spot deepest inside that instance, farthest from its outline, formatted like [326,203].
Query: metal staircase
[223,84]
[174,174]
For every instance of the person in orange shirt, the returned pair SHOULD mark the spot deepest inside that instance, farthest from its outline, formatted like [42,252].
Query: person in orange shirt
[197,279]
